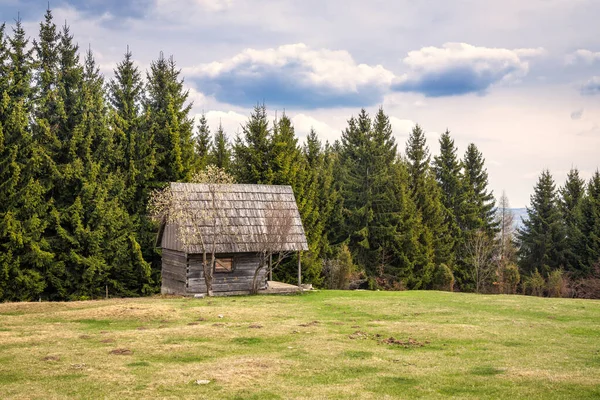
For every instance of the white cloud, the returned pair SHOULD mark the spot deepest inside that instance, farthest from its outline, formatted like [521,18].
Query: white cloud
[582,56]
[460,68]
[402,127]
[232,121]
[294,74]
[304,123]
[333,68]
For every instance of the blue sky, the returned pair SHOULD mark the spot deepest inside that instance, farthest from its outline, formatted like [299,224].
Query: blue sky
[519,79]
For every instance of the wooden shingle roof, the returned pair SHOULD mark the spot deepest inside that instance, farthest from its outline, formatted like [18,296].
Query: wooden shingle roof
[239,218]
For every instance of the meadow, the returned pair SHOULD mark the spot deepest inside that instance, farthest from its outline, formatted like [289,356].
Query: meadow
[324,344]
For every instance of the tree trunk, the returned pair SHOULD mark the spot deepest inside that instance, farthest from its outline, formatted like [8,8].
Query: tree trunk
[255,277]
[207,274]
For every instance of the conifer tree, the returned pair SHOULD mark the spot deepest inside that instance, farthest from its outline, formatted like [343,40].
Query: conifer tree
[286,159]
[376,204]
[428,200]
[4,68]
[589,249]
[169,122]
[131,143]
[221,150]
[357,165]
[288,166]
[571,195]
[49,110]
[70,77]
[448,173]
[252,151]
[25,256]
[202,144]
[319,193]
[481,214]
[542,237]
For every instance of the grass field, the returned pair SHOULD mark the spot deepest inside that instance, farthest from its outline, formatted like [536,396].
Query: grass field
[327,344]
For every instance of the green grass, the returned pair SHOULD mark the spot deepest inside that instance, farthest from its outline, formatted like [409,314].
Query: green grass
[327,344]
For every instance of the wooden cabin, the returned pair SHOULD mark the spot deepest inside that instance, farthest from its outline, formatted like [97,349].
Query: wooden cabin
[243,223]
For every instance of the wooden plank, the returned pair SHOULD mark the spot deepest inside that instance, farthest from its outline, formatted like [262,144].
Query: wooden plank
[183,265]
[172,287]
[174,267]
[174,277]
[201,287]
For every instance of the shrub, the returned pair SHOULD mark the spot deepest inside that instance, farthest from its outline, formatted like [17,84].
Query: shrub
[508,278]
[443,278]
[557,284]
[589,286]
[535,284]
[338,271]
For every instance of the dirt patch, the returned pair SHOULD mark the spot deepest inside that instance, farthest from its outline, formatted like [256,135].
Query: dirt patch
[312,323]
[107,341]
[51,358]
[192,323]
[359,335]
[85,337]
[121,352]
[355,326]
[218,324]
[201,319]
[255,326]
[141,328]
[410,342]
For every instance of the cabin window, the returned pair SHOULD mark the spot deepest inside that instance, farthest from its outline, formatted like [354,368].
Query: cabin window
[224,264]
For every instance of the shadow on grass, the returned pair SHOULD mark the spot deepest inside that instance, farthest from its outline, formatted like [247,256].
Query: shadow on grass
[486,371]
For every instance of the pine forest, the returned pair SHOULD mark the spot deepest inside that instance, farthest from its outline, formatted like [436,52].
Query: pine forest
[80,155]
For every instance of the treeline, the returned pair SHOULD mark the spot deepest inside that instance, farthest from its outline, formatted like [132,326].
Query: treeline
[80,155]
[559,243]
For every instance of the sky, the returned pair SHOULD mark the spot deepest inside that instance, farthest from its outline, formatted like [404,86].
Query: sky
[520,79]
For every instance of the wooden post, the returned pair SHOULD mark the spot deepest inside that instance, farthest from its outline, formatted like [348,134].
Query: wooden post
[270,267]
[299,270]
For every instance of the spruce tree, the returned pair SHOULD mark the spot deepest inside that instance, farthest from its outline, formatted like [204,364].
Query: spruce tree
[169,122]
[49,109]
[202,144]
[25,257]
[589,248]
[448,173]
[221,150]
[542,237]
[482,203]
[4,67]
[317,180]
[70,77]
[135,152]
[428,200]
[252,150]
[357,190]
[376,205]
[131,144]
[286,159]
[571,195]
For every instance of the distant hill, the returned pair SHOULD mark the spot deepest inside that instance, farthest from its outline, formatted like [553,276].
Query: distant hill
[519,214]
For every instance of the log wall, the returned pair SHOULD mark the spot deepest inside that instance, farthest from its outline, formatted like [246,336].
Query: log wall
[239,280]
[183,274]
[174,270]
